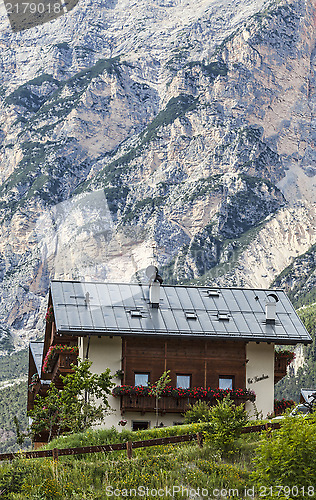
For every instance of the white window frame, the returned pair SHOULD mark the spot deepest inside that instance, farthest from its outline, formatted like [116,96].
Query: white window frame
[141,374]
[228,378]
[183,375]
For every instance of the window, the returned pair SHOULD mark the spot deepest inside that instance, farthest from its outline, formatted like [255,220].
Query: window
[141,379]
[140,425]
[226,383]
[184,381]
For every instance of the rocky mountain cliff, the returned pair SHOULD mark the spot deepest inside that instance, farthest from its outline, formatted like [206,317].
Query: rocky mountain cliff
[176,130]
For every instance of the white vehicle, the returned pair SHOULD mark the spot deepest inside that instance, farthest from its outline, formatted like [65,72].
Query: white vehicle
[299,411]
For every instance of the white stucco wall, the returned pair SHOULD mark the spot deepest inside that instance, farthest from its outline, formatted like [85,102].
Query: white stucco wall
[105,352]
[260,376]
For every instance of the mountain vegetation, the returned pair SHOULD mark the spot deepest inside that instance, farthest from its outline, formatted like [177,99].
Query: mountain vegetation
[290,386]
[13,396]
[13,403]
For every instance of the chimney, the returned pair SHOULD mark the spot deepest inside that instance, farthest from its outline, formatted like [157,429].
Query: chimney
[154,294]
[155,281]
[271,309]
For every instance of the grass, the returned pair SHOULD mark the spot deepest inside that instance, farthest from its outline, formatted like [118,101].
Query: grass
[108,436]
[173,471]
[177,467]
[176,471]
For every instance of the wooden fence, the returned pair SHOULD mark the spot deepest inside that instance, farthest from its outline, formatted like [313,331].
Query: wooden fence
[128,446]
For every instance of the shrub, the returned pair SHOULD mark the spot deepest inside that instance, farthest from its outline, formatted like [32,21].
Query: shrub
[12,478]
[226,422]
[287,457]
[199,412]
[281,405]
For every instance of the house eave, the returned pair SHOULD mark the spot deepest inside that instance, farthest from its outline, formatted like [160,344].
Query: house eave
[211,335]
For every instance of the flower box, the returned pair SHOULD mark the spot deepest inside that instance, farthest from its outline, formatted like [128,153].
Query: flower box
[194,392]
[50,315]
[286,355]
[53,353]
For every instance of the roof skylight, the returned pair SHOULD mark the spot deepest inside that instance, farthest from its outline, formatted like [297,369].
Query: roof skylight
[222,316]
[190,315]
[135,313]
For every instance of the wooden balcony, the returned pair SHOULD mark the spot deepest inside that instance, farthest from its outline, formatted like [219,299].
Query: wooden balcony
[61,365]
[281,363]
[166,404]
[36,389]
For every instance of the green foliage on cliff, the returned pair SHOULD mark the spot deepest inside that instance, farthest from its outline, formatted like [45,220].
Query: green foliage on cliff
[213,69]
[14,365]
[12,397]
[299,279]
[26,96]
[175,108]
[13,403]
[290,386]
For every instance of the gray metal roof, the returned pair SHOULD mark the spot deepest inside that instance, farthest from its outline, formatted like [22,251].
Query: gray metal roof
[37,353]
[83,308]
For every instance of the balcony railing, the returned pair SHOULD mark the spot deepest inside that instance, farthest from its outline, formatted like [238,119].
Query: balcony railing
[281,362]
[62,366]
[166,404]
[35,389]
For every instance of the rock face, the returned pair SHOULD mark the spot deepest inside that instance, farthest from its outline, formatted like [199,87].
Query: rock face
[299,278]
[179,131]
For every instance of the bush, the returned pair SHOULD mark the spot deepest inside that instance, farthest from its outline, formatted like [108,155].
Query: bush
[287,457]
[199,412]
[12,478]
[226,423]
[281,405]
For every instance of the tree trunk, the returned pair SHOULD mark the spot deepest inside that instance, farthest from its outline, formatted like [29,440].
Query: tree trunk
[157,410]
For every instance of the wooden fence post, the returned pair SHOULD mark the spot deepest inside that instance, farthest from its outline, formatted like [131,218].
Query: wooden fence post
[129,449]
[268,429]
[55,454]
[199,438]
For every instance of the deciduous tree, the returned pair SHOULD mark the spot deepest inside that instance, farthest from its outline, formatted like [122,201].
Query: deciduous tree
[81,403]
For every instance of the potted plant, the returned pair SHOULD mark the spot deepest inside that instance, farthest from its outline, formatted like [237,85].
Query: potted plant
[119,374]
[34,382]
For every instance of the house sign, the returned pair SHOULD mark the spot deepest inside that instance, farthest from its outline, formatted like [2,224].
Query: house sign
[255,379]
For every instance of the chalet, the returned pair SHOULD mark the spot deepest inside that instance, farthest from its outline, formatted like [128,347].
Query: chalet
[211,339]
